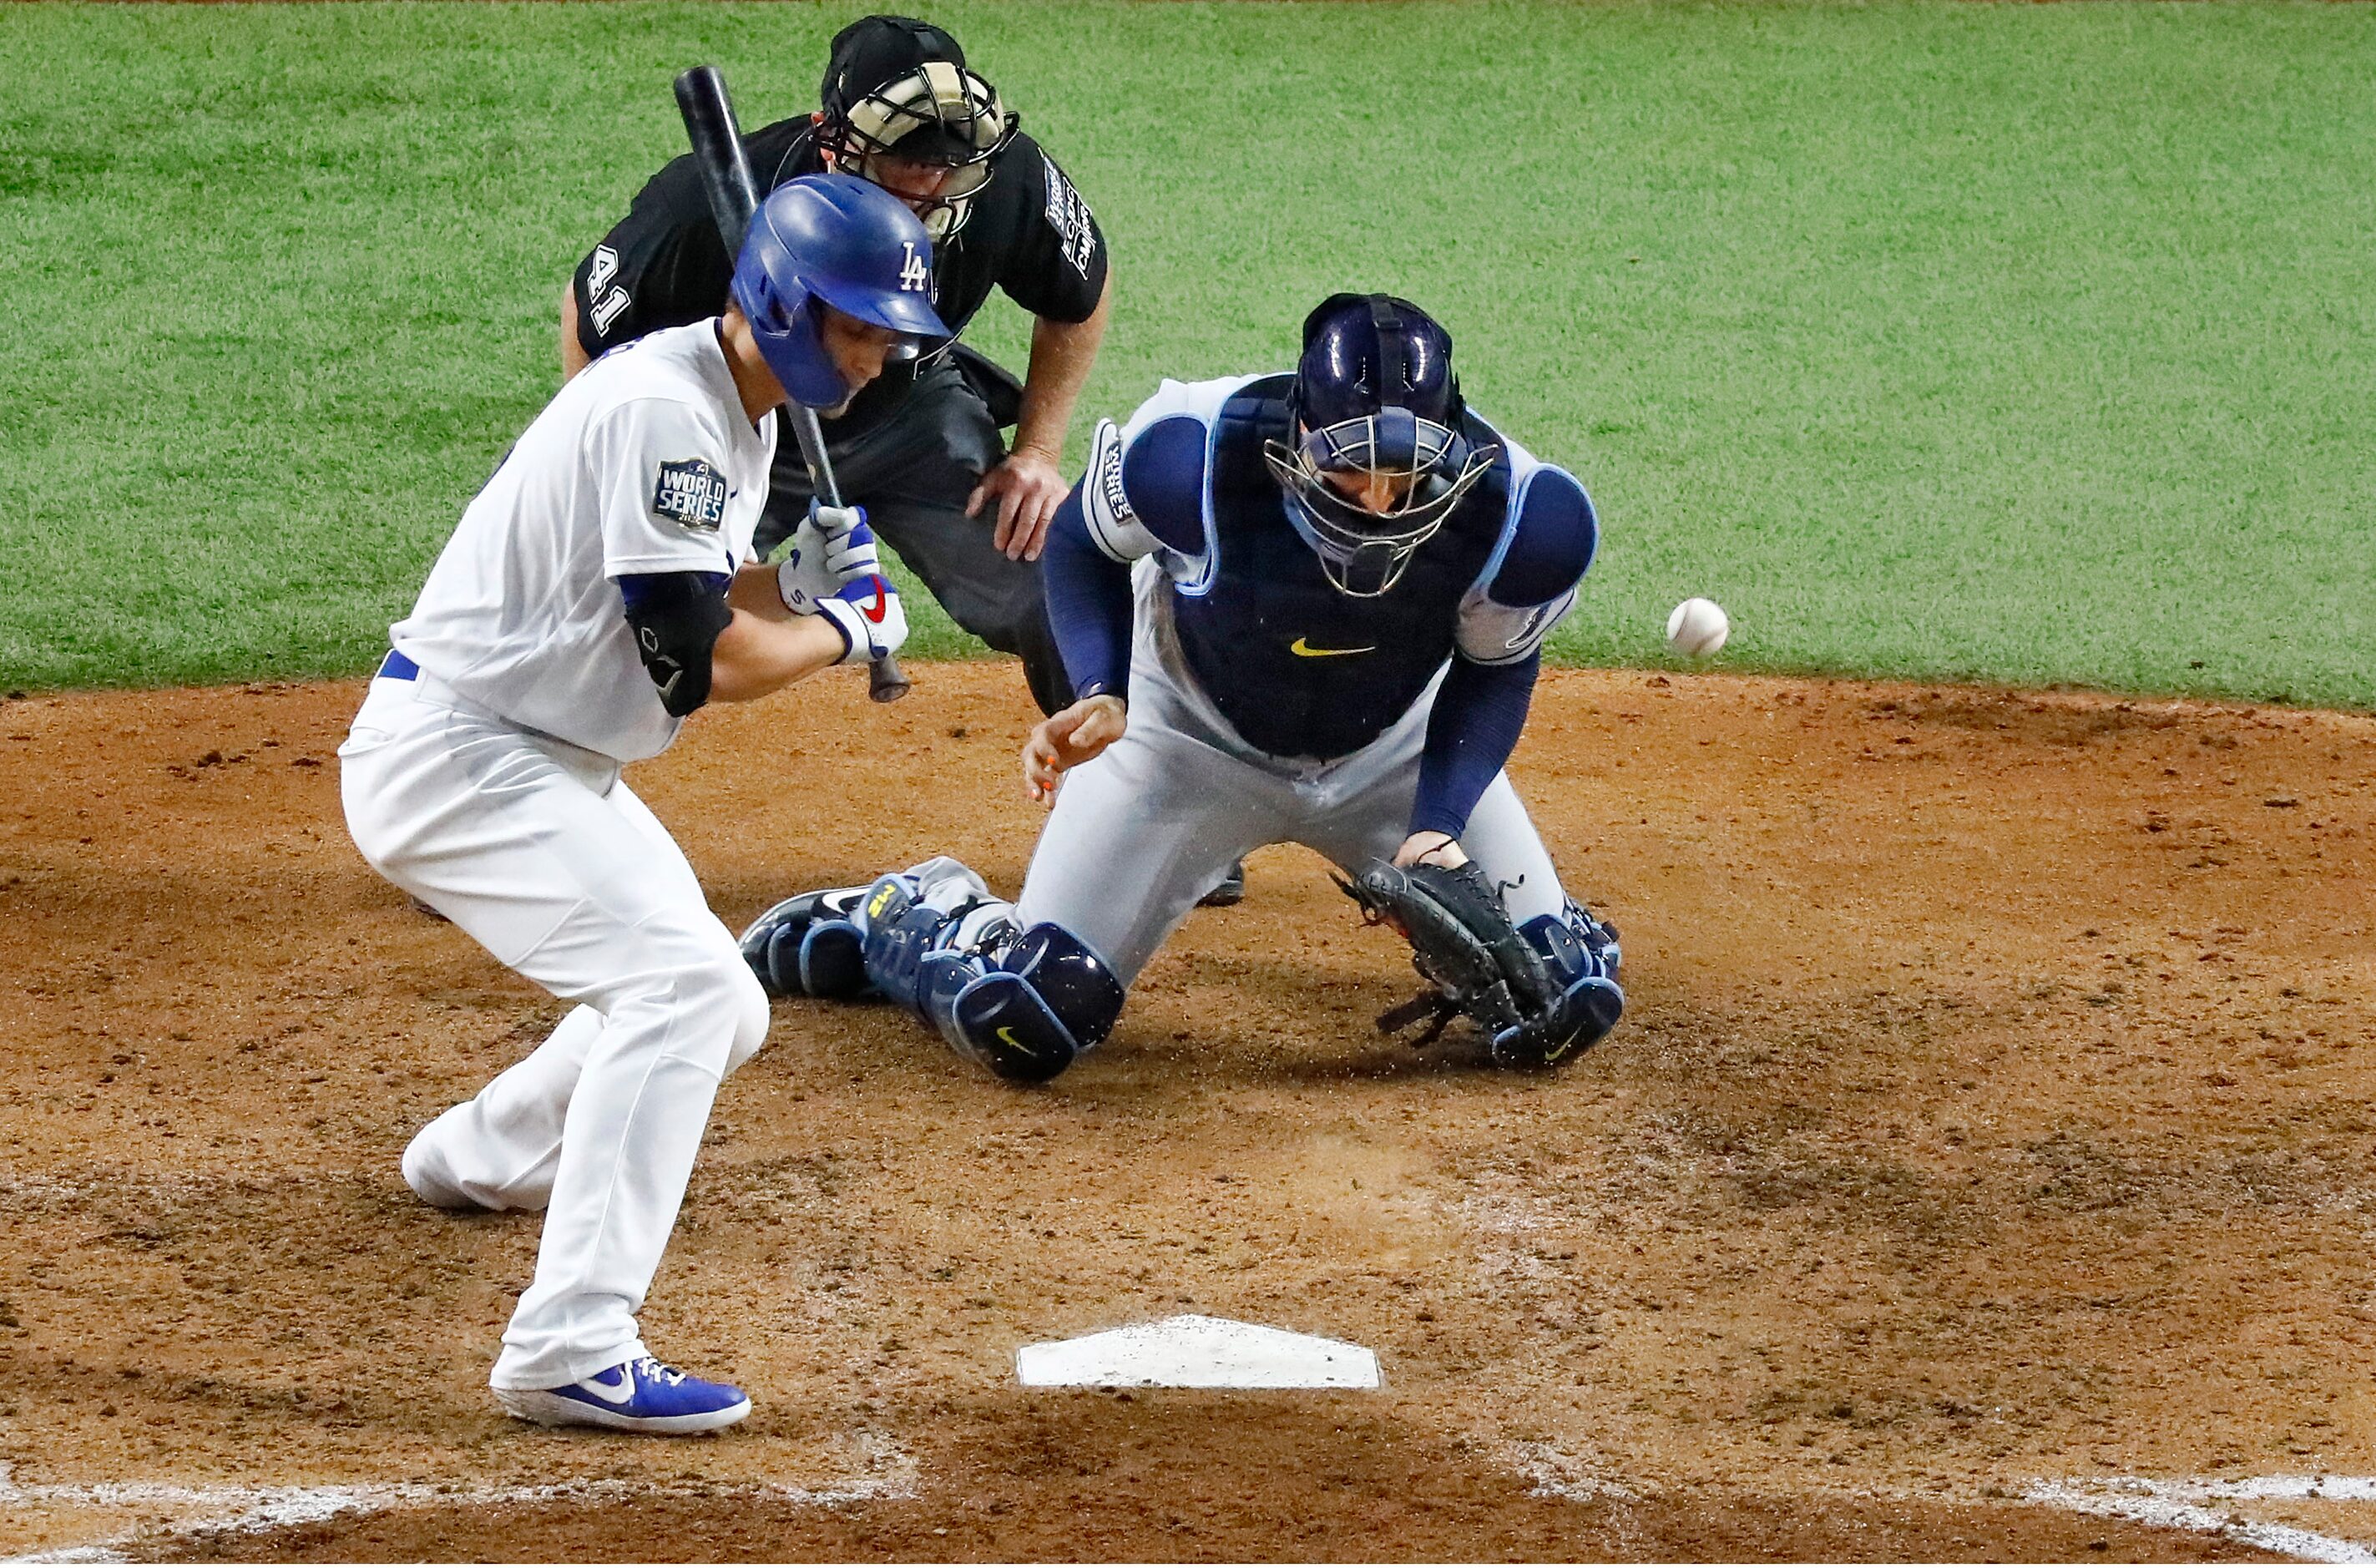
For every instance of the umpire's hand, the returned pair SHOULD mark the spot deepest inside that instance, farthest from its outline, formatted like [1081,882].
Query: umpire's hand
[1028,489]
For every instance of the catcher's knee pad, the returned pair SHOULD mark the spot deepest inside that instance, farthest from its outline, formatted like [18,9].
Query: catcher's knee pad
[1044,1000]
[1582,955]
[809,945]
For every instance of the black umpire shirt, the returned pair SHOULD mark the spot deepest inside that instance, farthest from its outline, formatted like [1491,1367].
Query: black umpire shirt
[1029,232]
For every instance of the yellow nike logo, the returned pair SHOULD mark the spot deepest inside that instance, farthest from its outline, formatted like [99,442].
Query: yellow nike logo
[1006,1033]
[1302,649]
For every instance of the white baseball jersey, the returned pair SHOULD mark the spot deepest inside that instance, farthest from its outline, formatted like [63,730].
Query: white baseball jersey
[644,463]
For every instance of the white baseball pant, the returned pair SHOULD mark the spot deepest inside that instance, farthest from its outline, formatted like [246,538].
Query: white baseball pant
[541,853]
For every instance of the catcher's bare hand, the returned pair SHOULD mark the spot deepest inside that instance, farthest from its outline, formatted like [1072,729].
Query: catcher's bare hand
[1066,739]
[1432,850]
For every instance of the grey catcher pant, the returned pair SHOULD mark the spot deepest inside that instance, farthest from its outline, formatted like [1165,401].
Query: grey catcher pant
[1138,834]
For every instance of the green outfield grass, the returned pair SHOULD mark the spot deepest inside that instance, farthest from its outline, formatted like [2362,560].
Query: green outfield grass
[2025,343]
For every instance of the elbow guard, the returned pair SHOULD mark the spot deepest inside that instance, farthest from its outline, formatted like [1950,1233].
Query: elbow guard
[677,617]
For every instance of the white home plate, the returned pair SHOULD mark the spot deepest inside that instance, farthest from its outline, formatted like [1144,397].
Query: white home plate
[1193,1351]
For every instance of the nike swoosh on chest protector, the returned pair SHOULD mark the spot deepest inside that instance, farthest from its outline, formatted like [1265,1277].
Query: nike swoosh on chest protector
[1302,649]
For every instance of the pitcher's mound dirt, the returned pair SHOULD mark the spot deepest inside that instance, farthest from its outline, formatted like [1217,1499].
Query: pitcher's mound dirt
[1992,1107]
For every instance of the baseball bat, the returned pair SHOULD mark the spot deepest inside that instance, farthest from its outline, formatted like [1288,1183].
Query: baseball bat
[733,195]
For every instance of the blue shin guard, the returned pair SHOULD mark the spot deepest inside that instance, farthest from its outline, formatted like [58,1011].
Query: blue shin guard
[809,945]
[899,936]
[1021,1005]
[1047,999]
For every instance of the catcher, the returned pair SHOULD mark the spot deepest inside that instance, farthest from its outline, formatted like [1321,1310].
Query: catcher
[1299,608]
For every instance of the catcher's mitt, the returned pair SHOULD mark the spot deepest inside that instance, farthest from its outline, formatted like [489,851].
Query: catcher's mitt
[1462,943]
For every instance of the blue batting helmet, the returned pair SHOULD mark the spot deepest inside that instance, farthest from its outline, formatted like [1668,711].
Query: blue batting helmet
[849,244]
[1378,459]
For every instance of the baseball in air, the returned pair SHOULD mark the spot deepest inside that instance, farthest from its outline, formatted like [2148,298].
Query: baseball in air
[1697,628]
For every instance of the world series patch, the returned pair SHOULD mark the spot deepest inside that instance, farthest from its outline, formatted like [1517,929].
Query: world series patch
[1069,216]
[691,493]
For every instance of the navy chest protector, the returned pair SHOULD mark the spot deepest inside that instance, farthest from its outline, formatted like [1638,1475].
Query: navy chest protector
[1299,668]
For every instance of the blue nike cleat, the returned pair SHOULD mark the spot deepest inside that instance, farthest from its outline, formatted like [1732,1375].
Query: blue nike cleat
[639,1396]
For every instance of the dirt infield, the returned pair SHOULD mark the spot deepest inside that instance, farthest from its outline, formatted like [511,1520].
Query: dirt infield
[1987,1143]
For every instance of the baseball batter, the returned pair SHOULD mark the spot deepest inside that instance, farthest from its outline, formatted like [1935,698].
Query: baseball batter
[1299,608]
[899,105]
[598,591]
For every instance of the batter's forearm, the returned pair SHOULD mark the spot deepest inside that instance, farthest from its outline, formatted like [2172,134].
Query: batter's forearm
[754,657]
[754,591]
[1061,355]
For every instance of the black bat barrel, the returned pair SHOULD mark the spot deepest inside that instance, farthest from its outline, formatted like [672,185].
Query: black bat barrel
[718,152]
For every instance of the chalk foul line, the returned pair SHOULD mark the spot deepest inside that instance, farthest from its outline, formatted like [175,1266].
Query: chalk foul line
[248,1510]
[2183,1505]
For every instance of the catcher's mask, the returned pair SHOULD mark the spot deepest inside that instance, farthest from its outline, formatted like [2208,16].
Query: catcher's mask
[898,88]
[1378,460]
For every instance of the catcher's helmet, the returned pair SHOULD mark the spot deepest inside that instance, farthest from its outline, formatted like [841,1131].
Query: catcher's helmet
[1378,459]
[830,238]
[899,88]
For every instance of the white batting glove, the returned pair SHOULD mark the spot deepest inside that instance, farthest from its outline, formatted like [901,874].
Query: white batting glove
[870,618]
[849,551]
[831,548]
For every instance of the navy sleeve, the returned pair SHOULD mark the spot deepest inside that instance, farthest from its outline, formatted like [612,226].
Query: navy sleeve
[1471,732]
[1088,605]
[641,590]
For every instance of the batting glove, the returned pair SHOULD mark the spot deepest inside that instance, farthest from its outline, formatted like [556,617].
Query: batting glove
[870,618]
[830,549]
[849,551]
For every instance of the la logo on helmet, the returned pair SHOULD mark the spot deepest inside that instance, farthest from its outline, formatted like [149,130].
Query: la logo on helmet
[915,277]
